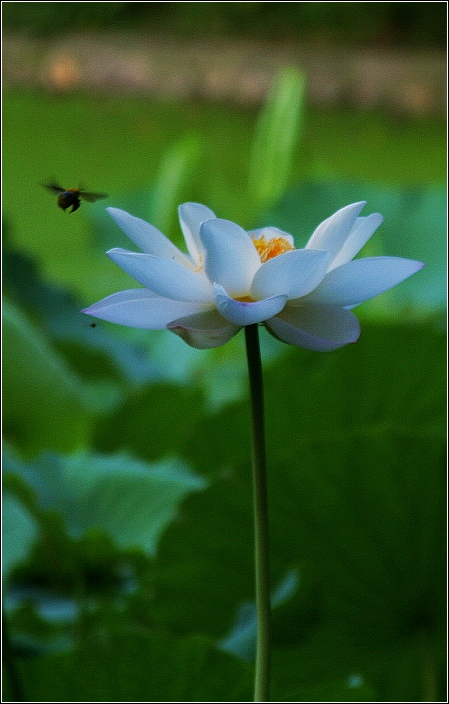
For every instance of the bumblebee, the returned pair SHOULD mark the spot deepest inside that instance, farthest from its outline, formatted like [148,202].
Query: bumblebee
[71,196]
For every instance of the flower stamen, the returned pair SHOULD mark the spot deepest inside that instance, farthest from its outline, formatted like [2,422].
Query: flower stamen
[267,249]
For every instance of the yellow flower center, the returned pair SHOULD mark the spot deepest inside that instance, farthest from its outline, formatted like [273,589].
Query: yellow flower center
[268,249]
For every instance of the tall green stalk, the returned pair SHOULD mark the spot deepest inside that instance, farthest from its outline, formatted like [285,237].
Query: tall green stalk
[261,533]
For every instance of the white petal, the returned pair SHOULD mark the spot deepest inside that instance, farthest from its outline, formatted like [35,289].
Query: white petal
[147,237]
[140,308]
[362,279]
[231,257]
[166,277]
[333,232]
[319,328]
[247,312]
[360,234]
[294,274]
[204,330]
[191,216]
[269,233]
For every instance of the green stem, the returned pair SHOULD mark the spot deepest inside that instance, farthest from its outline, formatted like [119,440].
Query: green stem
[262,567]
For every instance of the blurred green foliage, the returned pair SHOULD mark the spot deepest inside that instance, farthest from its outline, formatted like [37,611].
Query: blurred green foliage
[357,504]
[121,146]
[377,23]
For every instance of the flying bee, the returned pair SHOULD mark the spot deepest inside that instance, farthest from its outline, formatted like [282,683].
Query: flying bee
[71,196]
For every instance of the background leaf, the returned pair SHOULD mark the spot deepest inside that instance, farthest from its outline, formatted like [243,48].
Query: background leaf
[130,501]
[19,533]
[356,507]
[276,135]
[46,404]
[134,668]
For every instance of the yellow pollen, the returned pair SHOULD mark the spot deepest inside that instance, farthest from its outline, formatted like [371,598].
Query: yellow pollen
[245,299]
[268,249]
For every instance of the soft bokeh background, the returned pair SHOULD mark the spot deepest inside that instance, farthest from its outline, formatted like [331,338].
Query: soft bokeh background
[127,554]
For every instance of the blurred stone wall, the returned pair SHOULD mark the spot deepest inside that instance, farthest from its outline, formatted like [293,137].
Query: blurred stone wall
[227,70]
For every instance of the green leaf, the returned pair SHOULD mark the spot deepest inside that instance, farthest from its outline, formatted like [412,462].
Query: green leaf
[91,352]
[275,139]
[153,422]
[351,689]
[158,202]
[408,670]
[131,501]
[138,668]
[45,403]
[176,169]
[19,533]
[242,638]
[356,485]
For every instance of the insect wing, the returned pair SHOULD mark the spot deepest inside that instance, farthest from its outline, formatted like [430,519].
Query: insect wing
[53,187]
[92,197]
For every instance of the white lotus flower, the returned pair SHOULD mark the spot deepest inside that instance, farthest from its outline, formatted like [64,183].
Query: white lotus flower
[231,278]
